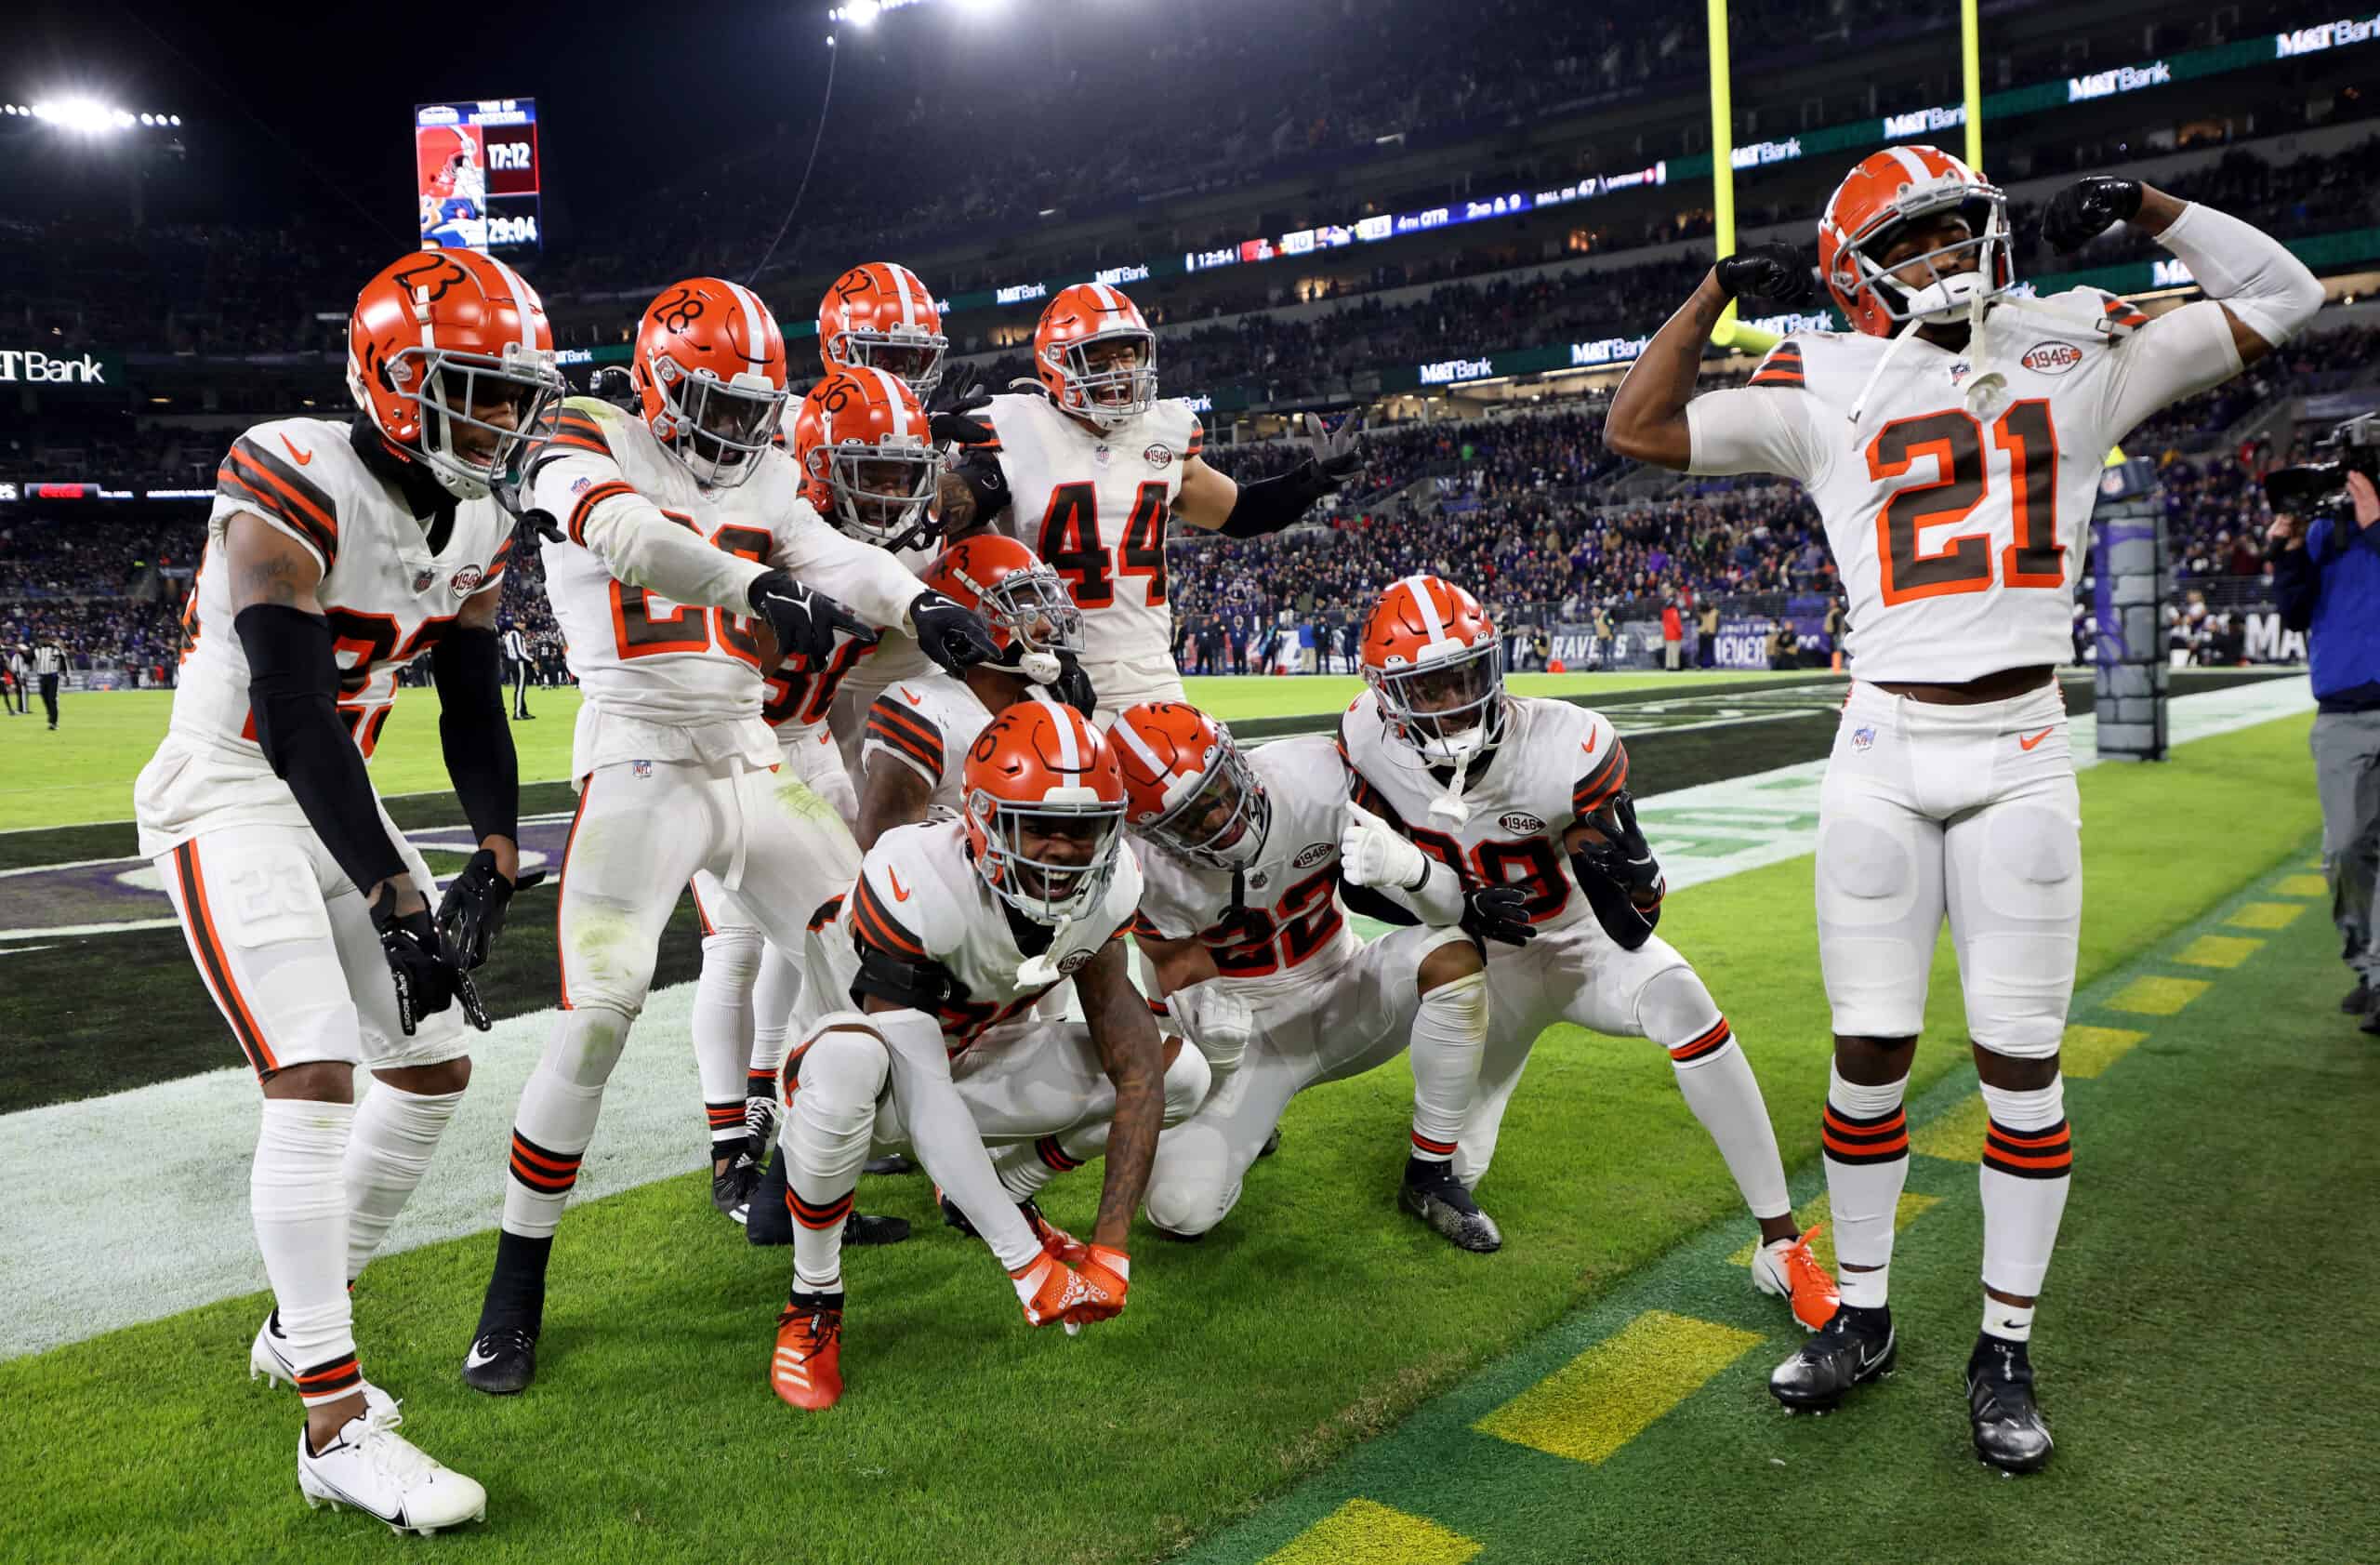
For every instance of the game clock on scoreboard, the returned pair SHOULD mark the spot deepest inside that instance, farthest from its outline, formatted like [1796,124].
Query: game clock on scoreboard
[475,172]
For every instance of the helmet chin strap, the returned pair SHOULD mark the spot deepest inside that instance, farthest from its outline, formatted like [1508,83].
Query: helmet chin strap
[1040,969]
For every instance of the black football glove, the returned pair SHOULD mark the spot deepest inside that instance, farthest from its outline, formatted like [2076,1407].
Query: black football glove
[2086,209]
[471,913]
[1775,273]
[952,635]
[1494,913]
[617,387]
[1073,685]
[806,620]
[1621,882]
[948,410]
[426,980]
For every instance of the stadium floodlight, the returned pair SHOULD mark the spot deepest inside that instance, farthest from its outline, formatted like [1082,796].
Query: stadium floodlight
[859,13]
[83,116]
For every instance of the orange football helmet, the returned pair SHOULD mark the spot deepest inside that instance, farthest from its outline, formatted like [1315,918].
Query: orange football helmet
[449,355]
[710,375]
[1023,601]
[1039,775]
[867,458]
[1097,355]
[1187,787]
[1885,190]
[879,316]
[1434,660]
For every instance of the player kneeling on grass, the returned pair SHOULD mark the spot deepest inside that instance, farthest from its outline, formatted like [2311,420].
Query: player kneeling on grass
[335,555]
[1242,919]
[1476,788]
[952,933]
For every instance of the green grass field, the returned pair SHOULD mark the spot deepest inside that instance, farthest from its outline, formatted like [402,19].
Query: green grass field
[84,773]
[2224,1211]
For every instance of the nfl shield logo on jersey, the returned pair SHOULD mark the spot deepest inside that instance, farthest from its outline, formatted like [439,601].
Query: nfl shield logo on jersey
[1863,736]
[422,579]
[641,768]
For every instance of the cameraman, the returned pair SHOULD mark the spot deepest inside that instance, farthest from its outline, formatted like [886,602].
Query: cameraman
[2326,576]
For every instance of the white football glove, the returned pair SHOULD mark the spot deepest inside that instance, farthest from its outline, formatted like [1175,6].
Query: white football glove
[1217,1022]
[1373,855]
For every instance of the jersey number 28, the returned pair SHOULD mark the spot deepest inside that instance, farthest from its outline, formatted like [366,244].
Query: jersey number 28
[1964,564]
[636,632]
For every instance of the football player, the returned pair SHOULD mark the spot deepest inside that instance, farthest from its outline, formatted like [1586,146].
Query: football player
[1476,788]
[918,734]
[335,555]
[953,933]
[1953,442]
[680,521]
[1242,921]
[1088,466]
[866,463]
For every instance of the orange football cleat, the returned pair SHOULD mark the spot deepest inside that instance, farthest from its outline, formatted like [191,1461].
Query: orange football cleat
[1794,1273]
[807,1368]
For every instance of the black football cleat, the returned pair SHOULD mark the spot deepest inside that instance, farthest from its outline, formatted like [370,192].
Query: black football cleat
[2009,1432]
[891,1163]
[502,1361]
[2359,998]
[1431,1193]
[732,1188]
[1272,1145]
[1853,1348]
[768,1220]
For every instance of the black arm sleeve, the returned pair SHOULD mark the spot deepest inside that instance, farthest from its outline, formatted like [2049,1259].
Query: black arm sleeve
[1370,904]
[293,694]
[2296,585]
[1270,504]
[473,732]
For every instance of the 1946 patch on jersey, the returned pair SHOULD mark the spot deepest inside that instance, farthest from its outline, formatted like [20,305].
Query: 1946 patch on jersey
[1158,455]
[1312,855]
[468,579]
[1520,823]
[1073,962]
[2051,358]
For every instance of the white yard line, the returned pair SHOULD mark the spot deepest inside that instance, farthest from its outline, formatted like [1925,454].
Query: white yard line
[94,1241]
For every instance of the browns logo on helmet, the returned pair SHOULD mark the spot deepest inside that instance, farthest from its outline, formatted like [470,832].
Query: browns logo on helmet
[710,374]
[450,355]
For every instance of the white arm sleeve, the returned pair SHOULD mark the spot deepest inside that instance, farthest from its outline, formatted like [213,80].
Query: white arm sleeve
[2266,289]
[944,1134]
[866,579]
[1755,429]
[635,542]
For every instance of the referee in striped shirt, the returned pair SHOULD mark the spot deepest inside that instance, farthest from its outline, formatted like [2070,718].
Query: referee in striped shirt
[516,648]
[49,662]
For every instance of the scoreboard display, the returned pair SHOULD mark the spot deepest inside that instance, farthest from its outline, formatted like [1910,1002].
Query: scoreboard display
[475,172]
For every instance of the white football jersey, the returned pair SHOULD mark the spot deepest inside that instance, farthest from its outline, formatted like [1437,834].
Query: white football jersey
[1557,764]
[1094,505]
[1291,931]
[1958,508]
[392,584]
[928,726]
[919,898]
[665,681]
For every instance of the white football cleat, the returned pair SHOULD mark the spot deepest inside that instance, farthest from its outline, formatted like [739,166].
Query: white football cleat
[269,1359]
[371,1468]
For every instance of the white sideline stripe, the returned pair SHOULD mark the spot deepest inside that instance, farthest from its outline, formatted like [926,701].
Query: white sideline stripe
[89,1253]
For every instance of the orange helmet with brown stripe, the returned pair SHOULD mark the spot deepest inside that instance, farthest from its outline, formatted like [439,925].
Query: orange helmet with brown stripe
[449,355]
[1187,787]
[1024,603]
[1435,661]
[1885,193]
[1044,810]
[709,373]
[879,316]
[867,458]
[1095,355]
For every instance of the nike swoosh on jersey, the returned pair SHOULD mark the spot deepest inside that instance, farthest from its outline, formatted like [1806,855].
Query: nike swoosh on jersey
[2023,743]
[913,701]
[301,457]
[898,894]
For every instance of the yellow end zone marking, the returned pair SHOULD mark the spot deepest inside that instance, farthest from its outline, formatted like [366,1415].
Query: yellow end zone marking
[2090,1050]
[2266,915]
[2219,950]
[1955,1136]
[2302,885]
[1363,1532]
[2158,996]
[1611,1393]
[1820,1210]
